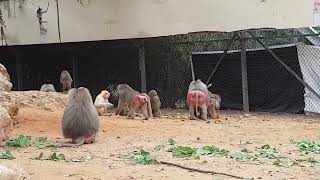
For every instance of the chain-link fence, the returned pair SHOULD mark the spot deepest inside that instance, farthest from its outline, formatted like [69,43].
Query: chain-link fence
[271,86]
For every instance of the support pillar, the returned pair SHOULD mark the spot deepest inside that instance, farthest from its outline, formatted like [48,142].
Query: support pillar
[142,65]
[245,94]
[75,71]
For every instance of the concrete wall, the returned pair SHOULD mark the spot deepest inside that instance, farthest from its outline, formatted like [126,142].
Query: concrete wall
[121,19]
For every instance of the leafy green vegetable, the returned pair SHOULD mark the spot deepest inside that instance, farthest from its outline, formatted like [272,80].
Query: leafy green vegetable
[159,147]
[142,157]
[41,143]
[308,146]
[266,151]
[20,141]
[183,152]
[172,142]
[286,162]
[243,157]
[212,150]
[56,157]
[7,155]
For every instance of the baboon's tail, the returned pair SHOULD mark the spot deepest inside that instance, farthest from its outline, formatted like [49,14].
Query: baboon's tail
[79,143]
[149,108]
[197,102]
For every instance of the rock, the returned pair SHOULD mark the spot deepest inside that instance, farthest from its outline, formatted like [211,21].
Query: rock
[5,85]
[48,101]
[9,103]
[4,72]
[12,173]
[5,125]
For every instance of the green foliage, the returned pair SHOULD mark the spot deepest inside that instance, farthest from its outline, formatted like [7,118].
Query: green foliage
[266,151]
[7,155]
[41,143]
[212,150]
[308,146]
[182,152]
[159,147]
[20,141]
[142,157]
[172,142]
[56,157]
[243,157]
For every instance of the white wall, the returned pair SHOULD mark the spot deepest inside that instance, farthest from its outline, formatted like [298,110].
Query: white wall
[121,19]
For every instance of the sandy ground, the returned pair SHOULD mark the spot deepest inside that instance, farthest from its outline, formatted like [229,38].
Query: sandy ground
[119,136]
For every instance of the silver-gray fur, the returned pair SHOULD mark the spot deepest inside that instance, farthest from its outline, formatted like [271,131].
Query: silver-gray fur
[198,86]
[126,97]
[155,103]
[47,88]
[80,118]
[65,80]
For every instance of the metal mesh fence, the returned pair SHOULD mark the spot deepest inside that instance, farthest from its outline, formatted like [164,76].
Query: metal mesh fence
[271,87]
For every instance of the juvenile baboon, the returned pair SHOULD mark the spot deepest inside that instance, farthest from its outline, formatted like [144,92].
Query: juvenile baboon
[80,120]
[66,81]
[155,103]
[134,100]
[198,97]
[47,88]
[214,105]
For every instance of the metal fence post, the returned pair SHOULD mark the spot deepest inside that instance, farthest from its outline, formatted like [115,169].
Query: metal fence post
[244,73]
[192,69]
[75,71]
[142,65]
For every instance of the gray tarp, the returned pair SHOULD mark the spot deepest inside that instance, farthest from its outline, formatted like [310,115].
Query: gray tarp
[309,60]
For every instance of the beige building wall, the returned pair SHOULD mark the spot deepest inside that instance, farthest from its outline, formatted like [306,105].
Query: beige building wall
[122,19]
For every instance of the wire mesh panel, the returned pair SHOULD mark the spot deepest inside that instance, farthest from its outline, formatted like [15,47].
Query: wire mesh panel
[226,80]
[271,87]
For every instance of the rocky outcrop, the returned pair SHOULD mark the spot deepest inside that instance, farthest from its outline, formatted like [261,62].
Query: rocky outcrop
[8,105]
[49,101]
[4,72]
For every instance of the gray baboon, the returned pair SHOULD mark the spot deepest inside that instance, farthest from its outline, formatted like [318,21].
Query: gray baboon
[80,120]
[198,97]
[47,88]
[134,100]
[214,105]
[155,103]
[66,81]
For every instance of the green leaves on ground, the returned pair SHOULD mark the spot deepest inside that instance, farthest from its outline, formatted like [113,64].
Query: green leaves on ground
[266,151]
[243,157]
[142,157]
[26,141]
[7,155]
[51,157]
[20,141]
[308,146]
[182,152]
[41,143]
[212,150]
[159,147]
[56,157]
[172,142]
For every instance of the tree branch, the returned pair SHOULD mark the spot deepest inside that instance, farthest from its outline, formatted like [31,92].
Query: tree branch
[200,171]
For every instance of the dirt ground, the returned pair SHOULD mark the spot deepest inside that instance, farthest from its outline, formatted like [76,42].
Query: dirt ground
[118,136]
